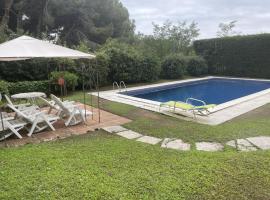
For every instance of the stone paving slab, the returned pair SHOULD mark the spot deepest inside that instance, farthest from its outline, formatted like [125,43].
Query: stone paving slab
[176,144]
[232,143]
[114,129]
[244,145]
[209,146]
[260,142]
[149,140]
[129,135]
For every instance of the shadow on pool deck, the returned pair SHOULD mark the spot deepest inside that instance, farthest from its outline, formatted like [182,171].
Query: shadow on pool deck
[92,123]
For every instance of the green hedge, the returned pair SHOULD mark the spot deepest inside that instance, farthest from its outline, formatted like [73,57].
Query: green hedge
[28,86]
[247,56]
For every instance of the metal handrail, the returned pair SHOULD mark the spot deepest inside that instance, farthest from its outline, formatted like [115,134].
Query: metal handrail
[192,99]
[115,84]
[122,83]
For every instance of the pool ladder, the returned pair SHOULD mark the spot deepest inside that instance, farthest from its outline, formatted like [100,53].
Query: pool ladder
[120,86]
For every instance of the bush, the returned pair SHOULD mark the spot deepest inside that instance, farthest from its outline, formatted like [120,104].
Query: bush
[28,86]
[246,56]
[4,87]
[71,79]
[126,63]
[150,68]
[174,66]
[196,66]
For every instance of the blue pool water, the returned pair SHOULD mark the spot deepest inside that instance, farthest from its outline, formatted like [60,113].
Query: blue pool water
[212,91]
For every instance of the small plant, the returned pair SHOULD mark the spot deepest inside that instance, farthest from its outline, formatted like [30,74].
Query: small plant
[4,87]
[71,79]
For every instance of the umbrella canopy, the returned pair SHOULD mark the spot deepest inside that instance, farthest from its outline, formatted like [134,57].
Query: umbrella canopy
[25,47]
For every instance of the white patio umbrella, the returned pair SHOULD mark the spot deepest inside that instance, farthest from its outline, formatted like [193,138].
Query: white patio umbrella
[25,47]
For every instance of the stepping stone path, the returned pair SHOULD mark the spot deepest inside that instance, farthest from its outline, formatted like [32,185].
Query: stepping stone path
[245,145]
[129,135]
[232,143]
[209,146]
[114,129]
[260,142]
[149,140]
[175,144]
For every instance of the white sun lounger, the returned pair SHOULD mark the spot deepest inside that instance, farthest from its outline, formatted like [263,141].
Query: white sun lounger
[21,107]
[38,121]
[11,126]
[53,106]
[73,113]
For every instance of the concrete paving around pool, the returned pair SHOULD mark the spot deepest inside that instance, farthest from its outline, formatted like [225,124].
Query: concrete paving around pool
[218,115]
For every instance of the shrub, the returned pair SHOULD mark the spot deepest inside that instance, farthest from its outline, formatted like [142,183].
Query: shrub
[71,79]
[196,66]
[126,63]
[4,87]
[150,68]
[174,66]
[246,56]
[28,86]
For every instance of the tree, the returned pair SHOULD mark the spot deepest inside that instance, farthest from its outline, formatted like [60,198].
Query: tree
[226,29]
[172,38]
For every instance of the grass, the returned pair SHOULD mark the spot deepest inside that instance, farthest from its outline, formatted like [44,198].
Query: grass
[255,123]
[103,166]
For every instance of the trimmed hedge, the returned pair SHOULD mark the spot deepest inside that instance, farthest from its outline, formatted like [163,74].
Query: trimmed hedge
[28,86]
[246,56]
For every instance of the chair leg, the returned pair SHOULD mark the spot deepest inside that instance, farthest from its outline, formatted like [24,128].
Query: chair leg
[33,128]
[48,123]
[15,131]
[67,123]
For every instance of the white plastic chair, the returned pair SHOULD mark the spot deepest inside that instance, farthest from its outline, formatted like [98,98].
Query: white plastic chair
[74,113]
[11,126]
[38,121]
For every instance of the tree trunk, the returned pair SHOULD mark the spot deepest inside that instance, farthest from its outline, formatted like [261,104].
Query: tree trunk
[5,18]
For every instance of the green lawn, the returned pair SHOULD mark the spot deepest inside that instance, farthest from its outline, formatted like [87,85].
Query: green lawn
[103,166]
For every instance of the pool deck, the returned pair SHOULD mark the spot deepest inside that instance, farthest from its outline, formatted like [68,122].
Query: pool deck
[219,114]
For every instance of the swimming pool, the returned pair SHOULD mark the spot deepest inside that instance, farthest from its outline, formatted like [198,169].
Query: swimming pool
[212,91]
[233,96]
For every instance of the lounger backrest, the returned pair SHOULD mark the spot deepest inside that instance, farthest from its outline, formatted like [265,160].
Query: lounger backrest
[9,100]
[46,102]
[59,103]
[19,113]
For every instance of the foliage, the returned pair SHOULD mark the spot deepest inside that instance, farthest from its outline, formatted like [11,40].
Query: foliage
[3,87]
[244,56]
[171,38]
[71,79]
[73,21]
[196,66]
[227,29]
[28,86]
[128,64]
[150,66]
[174,66]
